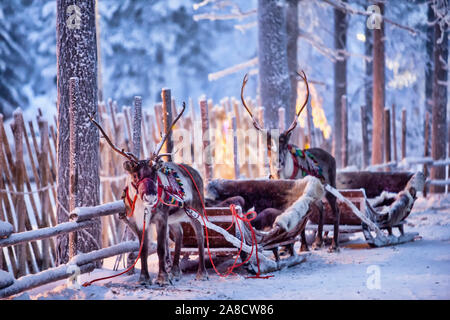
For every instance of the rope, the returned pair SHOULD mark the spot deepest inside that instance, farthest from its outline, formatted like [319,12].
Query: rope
[234,220]
[88,283]
[29,192]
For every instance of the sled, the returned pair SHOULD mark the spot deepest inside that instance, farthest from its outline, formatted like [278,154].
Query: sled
[297,200]
[387,207]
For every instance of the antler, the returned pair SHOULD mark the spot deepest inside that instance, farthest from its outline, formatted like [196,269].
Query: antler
[294,123]
[255,122]
[127,155]
[156,154]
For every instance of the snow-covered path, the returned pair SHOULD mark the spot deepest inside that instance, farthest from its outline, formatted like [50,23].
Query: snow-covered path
[416,270]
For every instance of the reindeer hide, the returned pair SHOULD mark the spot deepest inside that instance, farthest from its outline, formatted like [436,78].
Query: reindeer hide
[311,191]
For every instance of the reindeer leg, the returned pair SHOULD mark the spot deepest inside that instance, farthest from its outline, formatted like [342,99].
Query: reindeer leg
[304,245]
[144,277]
[161,249]
[198,228]
[177,234]
[318,242]
[332,201]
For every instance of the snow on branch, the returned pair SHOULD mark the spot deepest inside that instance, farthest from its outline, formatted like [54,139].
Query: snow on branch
[345,7]
[333,55]
[243,27]
[230,16]
[220,74]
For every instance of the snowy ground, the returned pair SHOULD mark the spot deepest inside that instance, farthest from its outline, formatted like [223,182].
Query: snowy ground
[416,270]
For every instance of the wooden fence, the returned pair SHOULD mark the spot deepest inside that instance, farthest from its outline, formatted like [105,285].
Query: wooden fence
[28,161]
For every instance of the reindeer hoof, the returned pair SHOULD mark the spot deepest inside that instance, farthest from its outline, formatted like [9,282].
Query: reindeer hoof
[163,280]
[145,280]
[317,245]
[176,273]
[304,248]
[202,276]
[334,248]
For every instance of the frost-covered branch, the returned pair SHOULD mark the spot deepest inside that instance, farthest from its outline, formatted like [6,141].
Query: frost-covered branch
[220,74]
[243,27]
[230,16]
[333,55]
[345,7]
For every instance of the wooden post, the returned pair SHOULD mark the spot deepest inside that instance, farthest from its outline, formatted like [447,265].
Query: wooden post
[403,133]
[378,86]
[6,200]
[364,137]
[310,124]
[44,195]
[426,153]
[394,132]
[387,137]
[167,120]
[19,199]
[282,119]
[74,158]
[207,152]
[235,149]
[137,122]
[344,126]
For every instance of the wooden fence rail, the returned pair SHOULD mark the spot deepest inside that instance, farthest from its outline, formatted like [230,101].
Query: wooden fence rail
[81,218]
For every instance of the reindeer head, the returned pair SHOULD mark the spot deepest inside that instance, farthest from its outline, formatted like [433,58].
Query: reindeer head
[276,164]
[143,173]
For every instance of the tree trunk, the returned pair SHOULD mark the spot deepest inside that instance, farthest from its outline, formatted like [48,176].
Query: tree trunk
[76,52]
[275,88]
[439,112]
[292,37]
[429,69]
[340,81]
[368,88]
[378,91]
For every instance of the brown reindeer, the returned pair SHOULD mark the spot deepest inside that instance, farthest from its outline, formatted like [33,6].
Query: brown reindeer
[293,163]
[162,193]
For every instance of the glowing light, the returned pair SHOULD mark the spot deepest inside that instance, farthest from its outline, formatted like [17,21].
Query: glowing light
[361,37]
[317,112]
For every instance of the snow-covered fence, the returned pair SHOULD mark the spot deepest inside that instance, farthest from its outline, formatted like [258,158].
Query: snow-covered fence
[80,218]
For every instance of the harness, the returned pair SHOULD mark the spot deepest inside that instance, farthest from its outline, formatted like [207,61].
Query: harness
[170,194]
[305,163]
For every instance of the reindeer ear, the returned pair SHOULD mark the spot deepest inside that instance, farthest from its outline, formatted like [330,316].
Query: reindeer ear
[129,166]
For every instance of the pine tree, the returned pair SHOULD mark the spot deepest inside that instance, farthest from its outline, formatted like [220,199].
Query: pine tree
[77,57]
[275,87]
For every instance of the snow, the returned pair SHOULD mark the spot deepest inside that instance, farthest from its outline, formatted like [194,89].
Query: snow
[5,229]
[414,270]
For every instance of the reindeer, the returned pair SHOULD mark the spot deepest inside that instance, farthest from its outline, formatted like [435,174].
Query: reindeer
[162,193]
[293,163]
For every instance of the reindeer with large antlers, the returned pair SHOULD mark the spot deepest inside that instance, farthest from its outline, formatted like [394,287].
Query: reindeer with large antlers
[294,163]
[162,193]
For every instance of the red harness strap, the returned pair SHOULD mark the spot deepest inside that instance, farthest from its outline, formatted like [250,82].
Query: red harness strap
[296,165]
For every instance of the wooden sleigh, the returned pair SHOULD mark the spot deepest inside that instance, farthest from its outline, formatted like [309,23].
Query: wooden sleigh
[372,202]
[392,197]
[296,198]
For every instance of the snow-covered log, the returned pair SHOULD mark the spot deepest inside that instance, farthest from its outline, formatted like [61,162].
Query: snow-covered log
[6,229]
[44,233]
[6,279]
[85,258]
[35,280]
[86,213]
